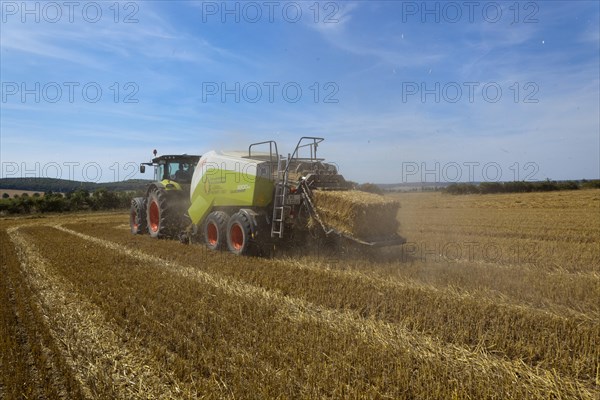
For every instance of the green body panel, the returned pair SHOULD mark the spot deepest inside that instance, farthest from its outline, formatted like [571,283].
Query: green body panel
[223,188]
[175,185]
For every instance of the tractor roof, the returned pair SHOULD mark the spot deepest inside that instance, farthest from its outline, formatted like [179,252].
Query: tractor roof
[176,157]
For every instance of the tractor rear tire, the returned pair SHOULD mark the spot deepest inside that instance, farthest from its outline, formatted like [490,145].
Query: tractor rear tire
[239,234]
[161,216]
[137,216]
[214,230]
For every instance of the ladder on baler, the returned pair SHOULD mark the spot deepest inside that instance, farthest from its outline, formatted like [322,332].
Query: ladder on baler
[279,207]
[282,183]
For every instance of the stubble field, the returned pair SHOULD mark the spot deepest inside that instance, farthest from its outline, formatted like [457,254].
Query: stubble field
[493,296]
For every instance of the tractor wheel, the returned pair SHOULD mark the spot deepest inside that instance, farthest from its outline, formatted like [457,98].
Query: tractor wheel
[239,234]
[160,215]
[214,230]
[137,212]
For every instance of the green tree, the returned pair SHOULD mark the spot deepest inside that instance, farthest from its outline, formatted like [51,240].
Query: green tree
[79,200]
[53,202]
[104,200]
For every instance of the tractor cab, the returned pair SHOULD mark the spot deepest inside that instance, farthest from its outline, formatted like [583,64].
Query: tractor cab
[173,168]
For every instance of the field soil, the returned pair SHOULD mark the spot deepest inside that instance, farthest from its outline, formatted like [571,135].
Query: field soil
[492,297]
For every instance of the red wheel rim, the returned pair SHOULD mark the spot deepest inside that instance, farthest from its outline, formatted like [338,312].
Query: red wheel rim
[212,234]
[236,236]
[154,216]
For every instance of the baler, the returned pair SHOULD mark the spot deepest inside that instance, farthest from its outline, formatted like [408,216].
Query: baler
[249,201]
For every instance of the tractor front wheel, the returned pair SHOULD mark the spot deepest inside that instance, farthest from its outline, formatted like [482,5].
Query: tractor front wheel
[137,212]
[159,214]
[214,230]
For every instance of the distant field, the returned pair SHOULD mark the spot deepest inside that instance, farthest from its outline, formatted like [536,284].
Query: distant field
[493,296]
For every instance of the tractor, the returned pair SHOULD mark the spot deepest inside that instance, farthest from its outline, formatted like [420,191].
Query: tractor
[162,212]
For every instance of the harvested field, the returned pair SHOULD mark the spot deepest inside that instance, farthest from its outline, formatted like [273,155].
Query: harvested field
[492,297]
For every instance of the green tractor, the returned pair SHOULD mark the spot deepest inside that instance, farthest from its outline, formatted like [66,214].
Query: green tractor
[162,212]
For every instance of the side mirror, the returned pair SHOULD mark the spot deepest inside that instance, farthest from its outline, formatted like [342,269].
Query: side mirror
[142,169]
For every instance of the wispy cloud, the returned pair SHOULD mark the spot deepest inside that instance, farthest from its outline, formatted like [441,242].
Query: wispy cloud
[393,49]
[369,53]
[152,38]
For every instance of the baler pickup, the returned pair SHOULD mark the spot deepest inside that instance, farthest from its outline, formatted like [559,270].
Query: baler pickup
[365,218]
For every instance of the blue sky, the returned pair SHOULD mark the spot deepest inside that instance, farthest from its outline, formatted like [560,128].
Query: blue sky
[402,91]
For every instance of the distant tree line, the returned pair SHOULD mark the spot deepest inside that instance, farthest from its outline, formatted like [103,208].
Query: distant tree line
[77,200]
[520,186]
[65,186]
[369,187]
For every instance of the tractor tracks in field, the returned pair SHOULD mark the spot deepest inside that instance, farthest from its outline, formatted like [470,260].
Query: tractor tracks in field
[370,330]
[88,341]
[482,294]
[556,304]
[18,341]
